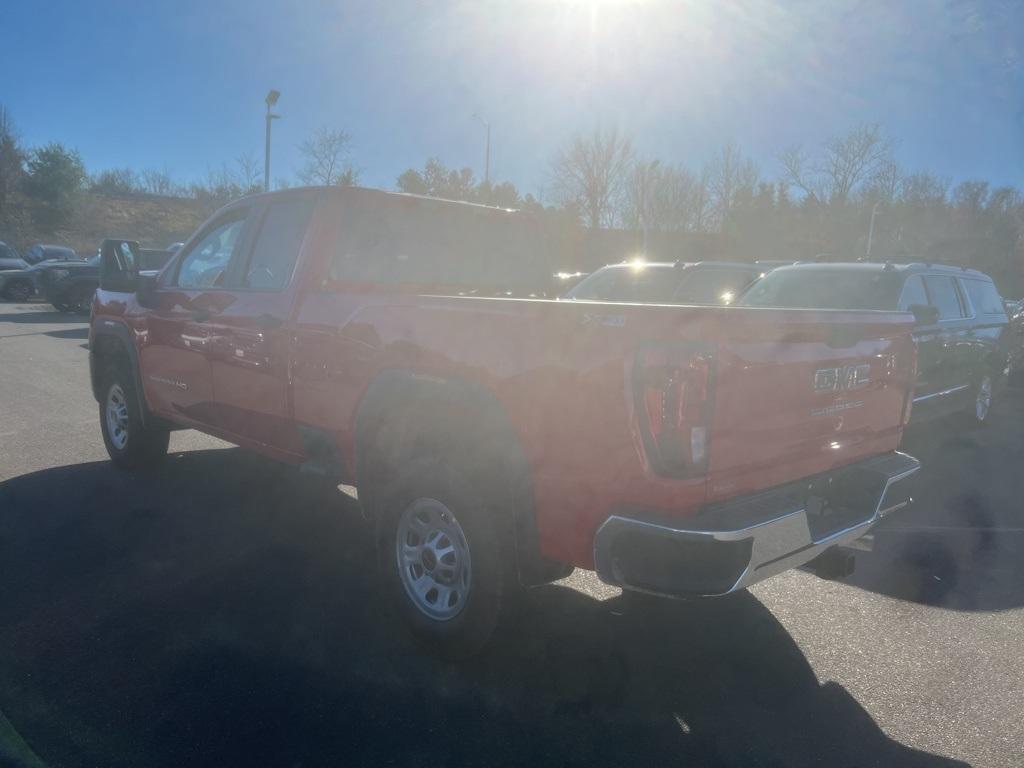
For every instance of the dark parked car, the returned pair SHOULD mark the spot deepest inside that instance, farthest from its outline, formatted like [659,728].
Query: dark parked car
[1015,343]
[40,252]
[11,265]
[19,279]
[70,286]
[961,331]
[7,256]
[661,282]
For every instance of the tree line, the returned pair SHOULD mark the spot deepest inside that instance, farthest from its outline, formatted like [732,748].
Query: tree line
[845,199]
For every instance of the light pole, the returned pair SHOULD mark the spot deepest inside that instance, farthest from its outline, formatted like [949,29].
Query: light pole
[271,100]
[487,153]
[646,171]
[871,230]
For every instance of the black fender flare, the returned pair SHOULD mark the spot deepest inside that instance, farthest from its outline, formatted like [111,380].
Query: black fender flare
[106,335]
[455,409]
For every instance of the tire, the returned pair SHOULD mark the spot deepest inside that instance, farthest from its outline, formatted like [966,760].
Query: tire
[80,299]
[444,550]
[129,443]
[980,410]
[19,291]
[60,306]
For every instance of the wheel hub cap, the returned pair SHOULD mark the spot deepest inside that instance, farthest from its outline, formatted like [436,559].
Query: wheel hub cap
[433,559]
[984,401]
[117,417]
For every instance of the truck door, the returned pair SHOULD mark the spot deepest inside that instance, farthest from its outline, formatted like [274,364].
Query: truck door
[928,339]
[251,338]
[951,354]
[174,356]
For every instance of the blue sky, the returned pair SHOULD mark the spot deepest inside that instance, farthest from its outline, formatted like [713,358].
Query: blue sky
[180,85]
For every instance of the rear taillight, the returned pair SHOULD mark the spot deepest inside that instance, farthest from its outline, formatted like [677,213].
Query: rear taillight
[672,387]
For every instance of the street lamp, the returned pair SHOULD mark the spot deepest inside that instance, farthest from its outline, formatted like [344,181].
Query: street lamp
[271,100]
[646,172]
[871,230]
[487,155]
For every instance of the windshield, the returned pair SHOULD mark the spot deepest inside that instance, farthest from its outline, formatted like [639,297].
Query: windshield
[653,284]
[825,289]
[714,285]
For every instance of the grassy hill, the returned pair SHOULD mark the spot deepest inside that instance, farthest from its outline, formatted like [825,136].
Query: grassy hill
[154,221]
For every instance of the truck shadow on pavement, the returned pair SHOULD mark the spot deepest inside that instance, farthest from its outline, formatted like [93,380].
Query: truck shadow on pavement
[223,612]
[41,316]
[959,545]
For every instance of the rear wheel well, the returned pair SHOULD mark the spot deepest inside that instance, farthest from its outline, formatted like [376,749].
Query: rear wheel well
[404,416]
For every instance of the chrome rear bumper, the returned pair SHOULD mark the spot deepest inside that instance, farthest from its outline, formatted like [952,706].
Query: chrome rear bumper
[732,545]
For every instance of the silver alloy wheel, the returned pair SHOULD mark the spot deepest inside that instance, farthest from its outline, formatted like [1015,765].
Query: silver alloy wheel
[433,559]
[983,402]
[117,417]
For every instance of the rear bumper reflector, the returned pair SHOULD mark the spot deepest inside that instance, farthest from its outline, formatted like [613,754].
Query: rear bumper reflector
[734,544]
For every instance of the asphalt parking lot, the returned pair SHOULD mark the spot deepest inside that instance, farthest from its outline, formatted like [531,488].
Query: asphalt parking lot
[223,612]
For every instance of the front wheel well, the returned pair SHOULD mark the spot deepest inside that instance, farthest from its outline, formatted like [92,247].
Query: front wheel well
[106,351]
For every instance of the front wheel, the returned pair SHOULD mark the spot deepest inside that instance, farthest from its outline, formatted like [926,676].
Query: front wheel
[443,552]
[978,413]
[129,442]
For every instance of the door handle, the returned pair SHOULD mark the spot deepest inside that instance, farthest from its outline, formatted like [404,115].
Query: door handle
[268,321]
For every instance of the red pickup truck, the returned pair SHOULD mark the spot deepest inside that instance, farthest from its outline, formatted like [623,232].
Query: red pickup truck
[387,341]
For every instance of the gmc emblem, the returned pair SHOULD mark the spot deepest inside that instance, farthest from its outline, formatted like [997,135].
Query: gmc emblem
[843,378]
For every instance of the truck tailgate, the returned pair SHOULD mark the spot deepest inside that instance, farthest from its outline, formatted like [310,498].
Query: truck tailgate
[800,392]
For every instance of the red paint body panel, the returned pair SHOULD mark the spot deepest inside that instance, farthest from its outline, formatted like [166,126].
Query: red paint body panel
[562,371]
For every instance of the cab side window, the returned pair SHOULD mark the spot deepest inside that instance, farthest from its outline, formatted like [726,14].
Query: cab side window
[984,297]
[913,293]
[277,245]
[944,296]
[206,263]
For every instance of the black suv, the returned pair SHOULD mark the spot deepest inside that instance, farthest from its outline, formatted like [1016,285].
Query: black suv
[70,286]
[961,332]
[666,282]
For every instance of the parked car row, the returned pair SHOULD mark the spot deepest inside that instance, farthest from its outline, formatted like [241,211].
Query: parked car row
[967,337]
[59,275]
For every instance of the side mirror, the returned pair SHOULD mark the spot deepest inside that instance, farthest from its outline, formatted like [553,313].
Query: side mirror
[119,265]
[145,284]
[924,314]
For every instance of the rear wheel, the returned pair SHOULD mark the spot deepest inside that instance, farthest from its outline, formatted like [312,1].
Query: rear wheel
[444,553]
[80,299]
[129,442]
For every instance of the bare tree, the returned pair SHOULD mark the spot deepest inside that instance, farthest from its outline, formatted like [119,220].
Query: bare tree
[854,159]
[730,172]
[885,184]
[847,164]
[591,173]
[326,159]
[663,198]
[250,177]
[796,172]
[158,182]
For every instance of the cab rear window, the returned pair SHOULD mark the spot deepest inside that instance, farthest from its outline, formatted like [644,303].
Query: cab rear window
[429,243]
